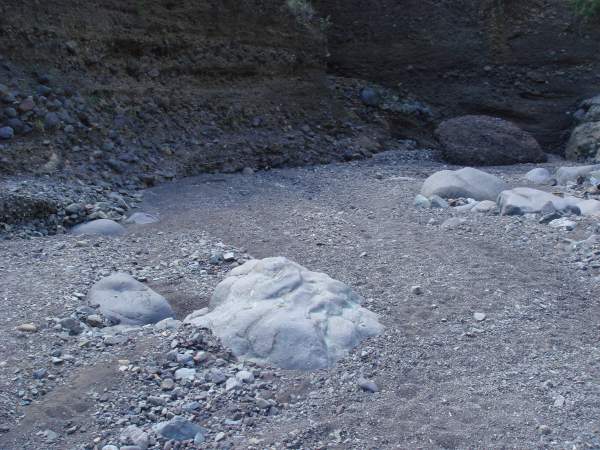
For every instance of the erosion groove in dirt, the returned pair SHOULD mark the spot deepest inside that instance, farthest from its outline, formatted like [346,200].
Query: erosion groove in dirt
[522,377]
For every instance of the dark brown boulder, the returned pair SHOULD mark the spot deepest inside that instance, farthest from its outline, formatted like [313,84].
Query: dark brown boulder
[486,141]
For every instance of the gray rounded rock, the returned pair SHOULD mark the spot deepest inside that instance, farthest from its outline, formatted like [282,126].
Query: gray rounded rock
[6,133]
[463,183]
[124,300]
[539,175]
[277,312]
[99,227]
[486,141]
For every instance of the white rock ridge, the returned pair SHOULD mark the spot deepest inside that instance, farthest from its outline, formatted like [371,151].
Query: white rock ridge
[277,312]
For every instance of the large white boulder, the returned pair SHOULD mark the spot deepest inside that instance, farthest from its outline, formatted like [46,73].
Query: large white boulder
[277,312]
[126,301]
[466,183]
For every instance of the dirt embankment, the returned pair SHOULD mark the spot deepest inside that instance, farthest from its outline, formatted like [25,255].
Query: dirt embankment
[529,62]
[167,87]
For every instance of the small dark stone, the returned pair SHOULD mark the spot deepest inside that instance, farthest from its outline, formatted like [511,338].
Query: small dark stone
[6,133]
[370,97]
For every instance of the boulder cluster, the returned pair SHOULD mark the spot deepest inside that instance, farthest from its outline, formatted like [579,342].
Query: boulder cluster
[473,190]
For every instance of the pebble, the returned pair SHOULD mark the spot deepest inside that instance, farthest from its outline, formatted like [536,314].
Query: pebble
[416,290]
[27,328]
[367,385]
[479,316]
[422,202]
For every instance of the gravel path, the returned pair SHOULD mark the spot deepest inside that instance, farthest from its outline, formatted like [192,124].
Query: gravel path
[524,377]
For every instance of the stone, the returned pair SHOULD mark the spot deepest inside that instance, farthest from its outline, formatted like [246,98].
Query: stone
[185,374]
[133,435]
[546,219]
[141,218]
[168,324]
[178,429]
[452,223]
[584,143]
[422,202]
[277,312]
[565,175]
[485,206]
[370,96]
[40,373]
[199,438]
[99,227]
[27,328]
[521,201]
[232,383]
[124,300]
[479,316]
[26,105]
[51,121]
[539,175]
[245,376]
[463,183]
[563,223]
[416,290]
[368,385]
[7,133]
[50,435]
[73,326]
[167,385]
[438,202]
[486,141]
[216,376]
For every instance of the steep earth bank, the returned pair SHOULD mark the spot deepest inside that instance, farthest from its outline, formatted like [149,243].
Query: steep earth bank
[529,62]
[148,90]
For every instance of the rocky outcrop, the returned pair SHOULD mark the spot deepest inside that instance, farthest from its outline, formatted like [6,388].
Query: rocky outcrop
[527,62]
[143,91]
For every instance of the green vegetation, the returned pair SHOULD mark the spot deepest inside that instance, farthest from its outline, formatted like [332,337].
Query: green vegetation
[586,8]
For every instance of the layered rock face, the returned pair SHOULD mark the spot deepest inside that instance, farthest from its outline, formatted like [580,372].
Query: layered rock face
[163,86]
[528,62]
